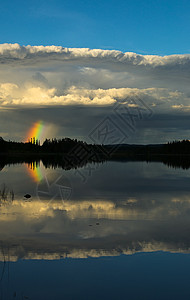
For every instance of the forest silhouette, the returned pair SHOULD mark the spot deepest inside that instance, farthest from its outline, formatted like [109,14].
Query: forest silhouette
[69,153]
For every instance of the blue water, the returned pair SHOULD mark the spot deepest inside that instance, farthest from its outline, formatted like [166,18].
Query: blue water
[140,276]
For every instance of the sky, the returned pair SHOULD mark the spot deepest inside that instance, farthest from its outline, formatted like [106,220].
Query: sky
[85,69]
[146,27]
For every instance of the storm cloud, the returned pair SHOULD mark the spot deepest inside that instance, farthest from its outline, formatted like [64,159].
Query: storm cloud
[46,77]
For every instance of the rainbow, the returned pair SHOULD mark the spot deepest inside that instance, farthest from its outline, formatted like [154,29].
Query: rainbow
[36,131]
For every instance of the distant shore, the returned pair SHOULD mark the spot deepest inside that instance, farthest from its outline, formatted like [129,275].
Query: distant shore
[67,153]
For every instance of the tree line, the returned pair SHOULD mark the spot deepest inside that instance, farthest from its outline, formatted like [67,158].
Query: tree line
[78,148]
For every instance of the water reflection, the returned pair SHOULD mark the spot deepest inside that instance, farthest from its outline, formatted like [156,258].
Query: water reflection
[123,208]
[35,171]
[35,229]
[70,161]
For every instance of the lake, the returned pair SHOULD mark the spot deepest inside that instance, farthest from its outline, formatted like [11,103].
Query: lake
[113,230]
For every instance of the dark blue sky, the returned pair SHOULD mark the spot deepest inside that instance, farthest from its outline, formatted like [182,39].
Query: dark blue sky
[148,27]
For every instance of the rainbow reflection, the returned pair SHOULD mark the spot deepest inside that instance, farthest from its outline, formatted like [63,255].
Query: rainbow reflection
[35,171]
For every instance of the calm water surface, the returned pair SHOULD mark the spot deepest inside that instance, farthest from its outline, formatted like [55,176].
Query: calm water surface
[111,231]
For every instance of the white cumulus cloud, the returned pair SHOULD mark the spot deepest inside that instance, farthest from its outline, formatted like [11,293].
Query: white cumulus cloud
[16,51]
